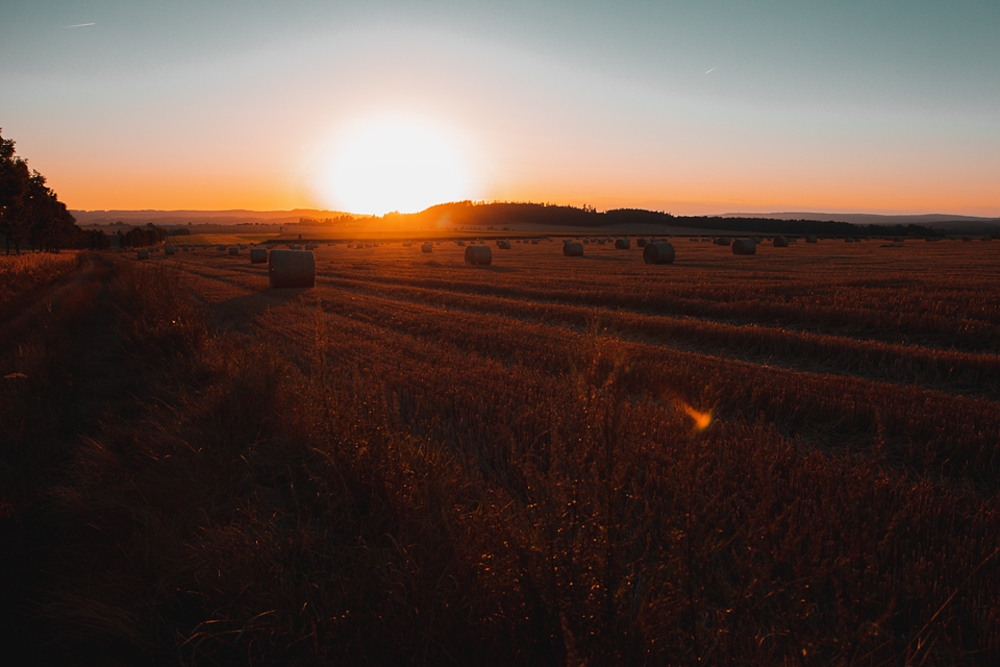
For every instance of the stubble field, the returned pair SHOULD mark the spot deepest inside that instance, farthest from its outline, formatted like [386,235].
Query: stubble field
[425,462]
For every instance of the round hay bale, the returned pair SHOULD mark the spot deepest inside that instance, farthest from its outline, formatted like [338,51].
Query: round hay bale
[407,244]
[460,243]
[221,248]
[478,255]
[573,249]
[258,256]
[601,241]
[427,247]
[811,239]
[142,254]
[848,240]
[169,250]
[724,241]
[623,244]
[185,248]
[234,250]
[503,244]
[641,242]
[744,247]
[291,268]
[658,253]
[780,242]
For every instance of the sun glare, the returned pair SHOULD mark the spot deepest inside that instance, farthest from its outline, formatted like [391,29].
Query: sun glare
[393,164]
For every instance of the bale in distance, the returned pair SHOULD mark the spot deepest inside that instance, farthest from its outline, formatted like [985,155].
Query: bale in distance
[258,255]
[291,268]
[234,250]
[658,253]
[478,255]
[427,247]
[572,249]
[142,254]
[170,250]
[724,241]
[623,244]
[503,244]
[407,244]
[641,242]
[744,247]
[460,243]
[780,242]
[811,239]
[221,248]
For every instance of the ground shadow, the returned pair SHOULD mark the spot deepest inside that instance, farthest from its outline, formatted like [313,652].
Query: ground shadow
[237,313]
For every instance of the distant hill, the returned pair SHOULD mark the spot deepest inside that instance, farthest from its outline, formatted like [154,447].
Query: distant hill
[183,217]
[525,215]
[944,222]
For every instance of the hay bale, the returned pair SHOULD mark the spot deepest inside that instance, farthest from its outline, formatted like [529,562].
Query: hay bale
[641,243]
[258,256]
[503,244]
[291,268]
[234,250]
[780,242]
[623,244]
[460,243]
[170,250]
[601,241]
[811,239]
[848,240]
[407,244]
[427,247]
[142,254]
[534,241]
[744,247]
[185,248]
[658,253]
[221,248]
[478,255]
[572,249]
[724,241]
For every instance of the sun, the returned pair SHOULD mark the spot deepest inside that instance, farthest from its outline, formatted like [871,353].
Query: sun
[395,164]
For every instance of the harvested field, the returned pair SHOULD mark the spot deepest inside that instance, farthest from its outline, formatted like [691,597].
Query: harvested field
[784,458]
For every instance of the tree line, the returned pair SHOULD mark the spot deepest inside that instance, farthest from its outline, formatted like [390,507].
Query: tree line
[31,213]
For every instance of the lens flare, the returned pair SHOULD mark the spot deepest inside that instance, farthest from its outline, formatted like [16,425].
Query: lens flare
[701,419]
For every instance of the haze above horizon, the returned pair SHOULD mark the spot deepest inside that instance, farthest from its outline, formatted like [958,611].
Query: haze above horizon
[690,107]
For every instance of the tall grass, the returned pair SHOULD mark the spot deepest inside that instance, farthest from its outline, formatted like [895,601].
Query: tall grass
[350,484]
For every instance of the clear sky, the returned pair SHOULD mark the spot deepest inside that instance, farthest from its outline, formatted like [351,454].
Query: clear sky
[699,106]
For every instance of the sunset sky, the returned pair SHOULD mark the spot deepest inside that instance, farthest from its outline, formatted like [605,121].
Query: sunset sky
[690,107]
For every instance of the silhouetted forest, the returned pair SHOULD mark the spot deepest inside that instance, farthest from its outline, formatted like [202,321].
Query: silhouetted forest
[498,214]
[31,213]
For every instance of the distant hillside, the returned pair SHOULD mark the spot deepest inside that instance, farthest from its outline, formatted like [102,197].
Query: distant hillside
[944,222]
[517,215]
[183,217]
[500,215]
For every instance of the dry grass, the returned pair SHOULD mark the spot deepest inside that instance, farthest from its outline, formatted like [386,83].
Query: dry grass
[420,463]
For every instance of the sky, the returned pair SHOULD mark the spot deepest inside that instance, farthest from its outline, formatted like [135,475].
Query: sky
[693,107]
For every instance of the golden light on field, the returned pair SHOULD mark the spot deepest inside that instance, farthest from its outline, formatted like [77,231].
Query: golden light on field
[701,419]
[395,164]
